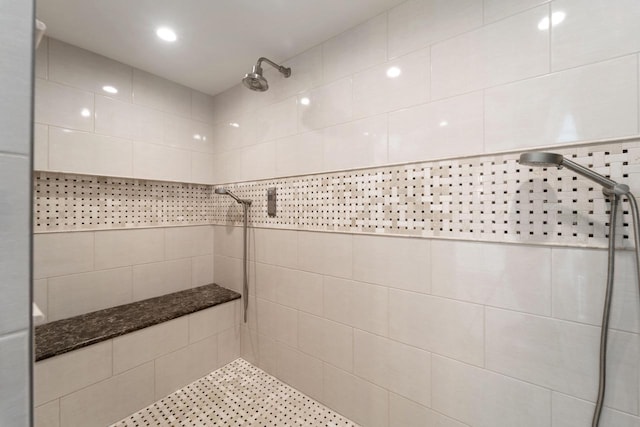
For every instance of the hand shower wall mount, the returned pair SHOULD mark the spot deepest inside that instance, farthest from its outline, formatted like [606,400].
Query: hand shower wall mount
[246,203]
[614,191]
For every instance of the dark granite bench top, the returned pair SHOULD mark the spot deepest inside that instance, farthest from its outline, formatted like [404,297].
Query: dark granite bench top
[62,336]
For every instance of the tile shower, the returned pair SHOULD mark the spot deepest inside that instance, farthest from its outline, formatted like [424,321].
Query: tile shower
[415,274]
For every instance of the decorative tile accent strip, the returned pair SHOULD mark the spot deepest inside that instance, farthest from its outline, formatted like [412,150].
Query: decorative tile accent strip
[485,198]
[238,394]
[66,202]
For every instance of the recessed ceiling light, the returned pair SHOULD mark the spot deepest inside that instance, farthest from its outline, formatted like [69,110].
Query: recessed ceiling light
[85,112]
[234,124]
[166,34]
[305,101]
[109,89]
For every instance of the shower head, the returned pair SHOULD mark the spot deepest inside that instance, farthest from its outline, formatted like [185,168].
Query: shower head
[256,81]
[537,158]
[222,190]
[541,159]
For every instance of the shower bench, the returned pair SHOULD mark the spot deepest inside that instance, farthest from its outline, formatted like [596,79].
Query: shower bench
[97,368]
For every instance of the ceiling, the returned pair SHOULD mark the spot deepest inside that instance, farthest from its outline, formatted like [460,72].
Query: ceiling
[218,40]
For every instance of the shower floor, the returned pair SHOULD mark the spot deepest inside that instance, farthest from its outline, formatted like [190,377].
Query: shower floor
[238,394]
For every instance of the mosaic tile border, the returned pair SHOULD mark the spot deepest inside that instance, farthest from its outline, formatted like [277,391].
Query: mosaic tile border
[484,198]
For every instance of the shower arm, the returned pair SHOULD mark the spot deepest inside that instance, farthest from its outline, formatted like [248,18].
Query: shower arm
[284,70]
[610,187]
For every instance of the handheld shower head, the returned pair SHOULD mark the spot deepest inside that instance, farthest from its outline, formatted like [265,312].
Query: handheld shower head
[222,190]
[536,158]
[256,81]
[541,159]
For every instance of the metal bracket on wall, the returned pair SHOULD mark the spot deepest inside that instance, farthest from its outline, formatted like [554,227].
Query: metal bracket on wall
[271,201]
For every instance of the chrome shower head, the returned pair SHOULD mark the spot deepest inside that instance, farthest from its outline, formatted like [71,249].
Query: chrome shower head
[537,158]
[224,191]
[256,81]
[541,159]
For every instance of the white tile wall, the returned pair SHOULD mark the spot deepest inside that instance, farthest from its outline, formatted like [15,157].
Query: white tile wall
[355,49]
[86,271]
[150,128]
[86,70]
[84,152]
[14,378]
[485,399]
[498,53]
[105,382]
[418,23]
[81,293]
[562,356]
[515,277]
[592,102]
[478,79]
[579,277]
[105,402]
[16,155]
[571,412]
[14,250]
[585,35]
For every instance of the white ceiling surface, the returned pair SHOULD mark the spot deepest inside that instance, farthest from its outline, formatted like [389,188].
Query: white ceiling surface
[218,40]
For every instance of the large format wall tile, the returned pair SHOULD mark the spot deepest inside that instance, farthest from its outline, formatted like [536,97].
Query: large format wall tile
[141,346]
[579,278]
[562,356]
[109,401]
[451,127]
[361,401]
[82,293]
[396,84]
[499,9]
[64,106]
[498,53]
[593,102]
[161,94]
[160,278]
[593,31]
[571,412]
[326,105]
[83,152]
[61,375]
[15,247]
[418,23]
[443,326]
[300,370]
[62,253]
[328,254]
[15,393]
[355,49]
[357,144]
[399,368]
[358,304]
[396,262]
[299,154]
[485,399]
[515,277]
[88,71]
[142,246]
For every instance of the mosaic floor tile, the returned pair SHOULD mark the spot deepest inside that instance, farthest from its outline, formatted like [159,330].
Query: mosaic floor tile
[238,394]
